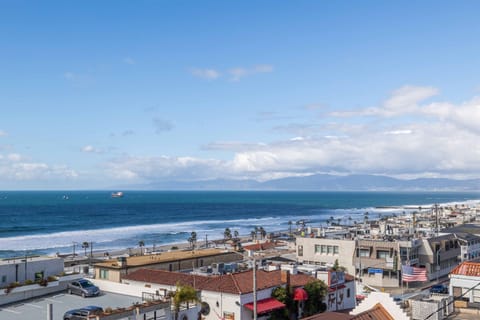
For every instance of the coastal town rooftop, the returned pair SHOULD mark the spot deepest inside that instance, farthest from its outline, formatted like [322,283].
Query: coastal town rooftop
[169,256]
[28,259]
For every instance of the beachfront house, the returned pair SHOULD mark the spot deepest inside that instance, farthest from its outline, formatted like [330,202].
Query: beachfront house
[28,268]
[115,269]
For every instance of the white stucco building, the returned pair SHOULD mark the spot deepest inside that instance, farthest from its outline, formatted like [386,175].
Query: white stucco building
[31,268]
[227,296]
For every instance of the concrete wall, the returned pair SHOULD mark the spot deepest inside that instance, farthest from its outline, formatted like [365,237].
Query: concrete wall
[19,270]
[35,290]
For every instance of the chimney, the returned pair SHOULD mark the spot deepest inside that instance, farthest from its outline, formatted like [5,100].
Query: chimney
[285,278]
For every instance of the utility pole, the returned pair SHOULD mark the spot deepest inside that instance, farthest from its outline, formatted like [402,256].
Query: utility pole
[254,288]
[436,219]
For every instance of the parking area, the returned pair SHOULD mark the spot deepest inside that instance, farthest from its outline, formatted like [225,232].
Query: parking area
[62,302]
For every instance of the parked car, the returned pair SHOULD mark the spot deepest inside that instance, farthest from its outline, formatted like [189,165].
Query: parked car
[83,287]
[439,288]
[82,313]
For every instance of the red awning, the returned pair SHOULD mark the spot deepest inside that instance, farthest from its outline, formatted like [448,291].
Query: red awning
[300,294]
[333,289]
[265,305]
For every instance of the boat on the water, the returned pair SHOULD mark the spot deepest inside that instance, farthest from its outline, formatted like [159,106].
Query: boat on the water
[117,194]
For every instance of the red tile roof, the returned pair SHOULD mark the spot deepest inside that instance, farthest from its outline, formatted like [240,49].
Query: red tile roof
[378,312]
[467,268]
[329,316]
[260,246]
[236,283]
[165,277]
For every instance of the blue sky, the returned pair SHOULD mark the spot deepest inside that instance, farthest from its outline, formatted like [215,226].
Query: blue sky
[96,94]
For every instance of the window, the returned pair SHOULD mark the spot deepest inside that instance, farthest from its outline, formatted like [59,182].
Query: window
[324,249]
[317,248]
[364,252]
[330,250]
[300,251]
[38,276]
[4,279]
[348,292]
[335,250]
[103,274]
[382,254]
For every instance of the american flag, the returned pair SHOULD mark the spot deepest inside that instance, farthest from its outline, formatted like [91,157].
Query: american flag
[410,274]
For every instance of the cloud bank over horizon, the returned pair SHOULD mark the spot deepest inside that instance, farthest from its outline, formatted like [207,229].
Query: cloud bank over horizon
[409,135]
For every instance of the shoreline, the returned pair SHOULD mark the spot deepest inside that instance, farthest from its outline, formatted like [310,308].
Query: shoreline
[124,239]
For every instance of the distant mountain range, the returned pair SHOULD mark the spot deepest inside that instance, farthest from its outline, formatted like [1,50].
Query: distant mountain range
[322,182]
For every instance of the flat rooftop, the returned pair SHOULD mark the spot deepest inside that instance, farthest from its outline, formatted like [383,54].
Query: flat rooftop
[28,258]
[162,257]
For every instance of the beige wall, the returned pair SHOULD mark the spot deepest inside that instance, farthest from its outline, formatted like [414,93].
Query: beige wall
[346,250]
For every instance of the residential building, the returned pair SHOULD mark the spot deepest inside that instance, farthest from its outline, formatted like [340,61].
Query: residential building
[465,281]
[227,296]
[31,268]
[439,254]
[325,251]
[341,290]
[115,269]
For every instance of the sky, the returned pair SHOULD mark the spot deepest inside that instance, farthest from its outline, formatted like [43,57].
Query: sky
[95,94]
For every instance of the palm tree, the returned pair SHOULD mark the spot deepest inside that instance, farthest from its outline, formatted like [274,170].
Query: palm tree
[253,235]
[338,221]
[227,235]
[141,244]
[236,234]
[184,293]
[193,239]
[262,232]
[349,220]
[85,246]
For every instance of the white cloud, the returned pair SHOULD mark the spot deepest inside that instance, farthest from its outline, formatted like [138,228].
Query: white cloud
[154,168]
[3,133]
[208,74]
[15,167]
[404,100]
[238,73]
[91,149]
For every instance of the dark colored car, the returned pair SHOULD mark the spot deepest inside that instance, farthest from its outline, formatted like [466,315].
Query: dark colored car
[82,313]
[83,287]
[439,288]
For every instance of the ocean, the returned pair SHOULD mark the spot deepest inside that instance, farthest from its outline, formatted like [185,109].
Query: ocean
[33,222]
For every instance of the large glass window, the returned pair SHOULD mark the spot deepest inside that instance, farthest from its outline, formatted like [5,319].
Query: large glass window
[317,248]
[300,251]
[103,274]
[336,250]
